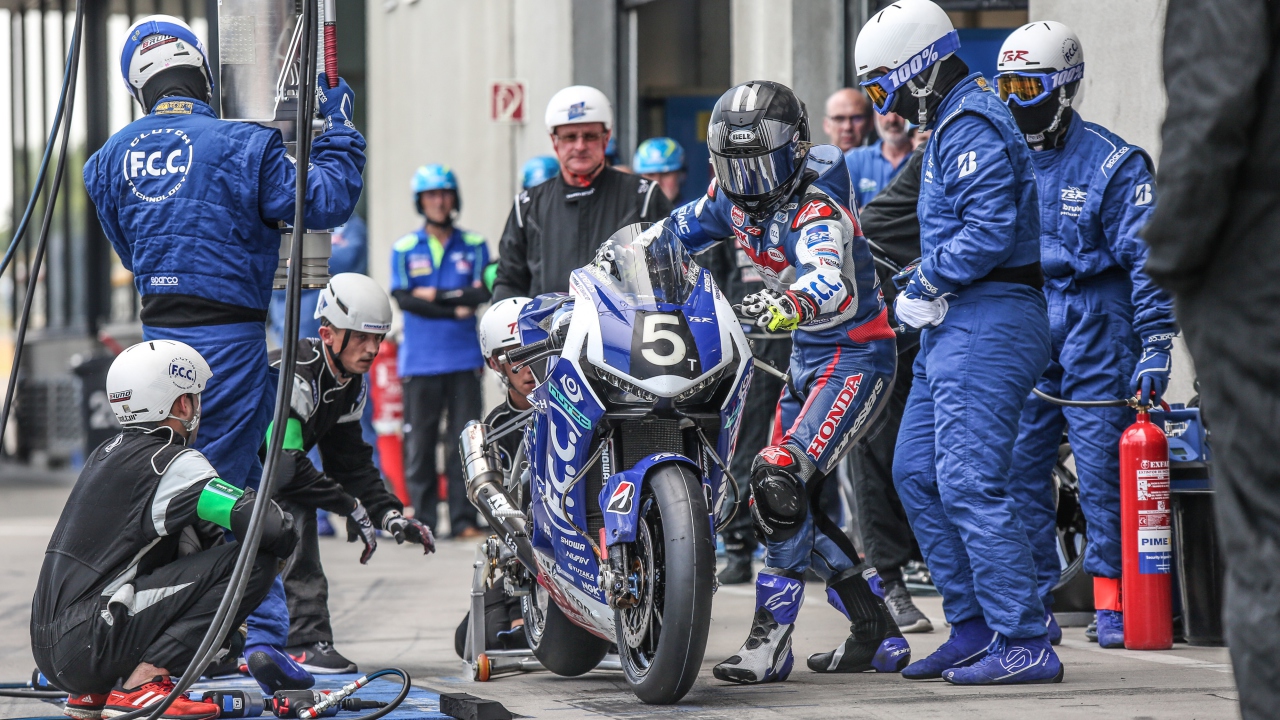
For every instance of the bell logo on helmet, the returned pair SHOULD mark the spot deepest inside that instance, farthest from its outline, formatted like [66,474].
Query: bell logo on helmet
[742,137]
[183,373]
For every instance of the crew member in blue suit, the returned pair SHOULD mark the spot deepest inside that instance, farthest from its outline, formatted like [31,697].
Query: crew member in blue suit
[786,205]
[976,292]
[193,205]
[1112,328]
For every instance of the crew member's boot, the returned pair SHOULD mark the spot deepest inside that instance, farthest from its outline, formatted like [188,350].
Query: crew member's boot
[1051,625]
[1109,601]
[874,642]
[739,545]
[1011,661]
[967,645]
[766,655]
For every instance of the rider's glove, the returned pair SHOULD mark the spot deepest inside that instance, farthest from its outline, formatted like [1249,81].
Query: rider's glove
[359,527]
[1151,376]
[779,311]
[403,528]
[337,104]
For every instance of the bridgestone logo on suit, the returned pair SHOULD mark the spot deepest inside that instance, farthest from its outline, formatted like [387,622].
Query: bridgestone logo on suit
[827,429]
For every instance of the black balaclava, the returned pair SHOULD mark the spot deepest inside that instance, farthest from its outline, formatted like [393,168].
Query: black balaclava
[939,80]
[1045,123]
[185,81]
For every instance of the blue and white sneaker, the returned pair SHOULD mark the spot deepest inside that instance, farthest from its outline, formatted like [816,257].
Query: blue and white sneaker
[766,655]
[1051,624]
[1011,661]
[1110,629]
[967,645]
[275,670]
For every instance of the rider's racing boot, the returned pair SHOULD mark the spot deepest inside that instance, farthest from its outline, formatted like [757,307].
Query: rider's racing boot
[1011,661]
[874,642]
[766,655]
[967,645]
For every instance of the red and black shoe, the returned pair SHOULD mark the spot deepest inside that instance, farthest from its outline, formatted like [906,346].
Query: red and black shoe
[85,707]
[124,701]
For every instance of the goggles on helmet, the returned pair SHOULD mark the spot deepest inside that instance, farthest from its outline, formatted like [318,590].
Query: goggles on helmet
[1031,88]
[881,89]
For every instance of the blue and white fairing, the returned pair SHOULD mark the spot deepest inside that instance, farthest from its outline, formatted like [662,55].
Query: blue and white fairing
[651,323]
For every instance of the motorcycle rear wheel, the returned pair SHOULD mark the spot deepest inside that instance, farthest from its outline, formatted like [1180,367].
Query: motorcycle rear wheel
[561,646]
[662,640]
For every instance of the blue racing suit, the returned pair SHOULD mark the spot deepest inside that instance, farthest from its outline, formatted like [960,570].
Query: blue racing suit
[193,205]
[842,361]
[1096,194]
[980,246]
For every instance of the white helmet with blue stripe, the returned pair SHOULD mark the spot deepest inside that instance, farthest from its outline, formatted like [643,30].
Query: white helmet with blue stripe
[157,43]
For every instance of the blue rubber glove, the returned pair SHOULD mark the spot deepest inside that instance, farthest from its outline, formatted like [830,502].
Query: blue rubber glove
[1151,376]
[337,104]
[915,281]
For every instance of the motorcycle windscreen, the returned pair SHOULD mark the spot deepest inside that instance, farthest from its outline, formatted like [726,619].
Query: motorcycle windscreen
[649,264]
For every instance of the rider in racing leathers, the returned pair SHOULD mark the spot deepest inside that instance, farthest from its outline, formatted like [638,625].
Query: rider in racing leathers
[787,204]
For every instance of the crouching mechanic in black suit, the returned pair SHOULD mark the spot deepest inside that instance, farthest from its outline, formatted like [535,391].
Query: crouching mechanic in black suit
[498,333]
[329,393]
[138,565]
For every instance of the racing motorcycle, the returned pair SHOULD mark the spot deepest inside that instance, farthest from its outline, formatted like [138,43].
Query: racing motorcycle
[610,508]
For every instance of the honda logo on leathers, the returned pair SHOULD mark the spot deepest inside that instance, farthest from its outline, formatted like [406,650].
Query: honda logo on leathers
[827,429]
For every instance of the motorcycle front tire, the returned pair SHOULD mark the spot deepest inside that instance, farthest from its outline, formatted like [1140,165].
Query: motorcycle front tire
[561,646]
[688,563]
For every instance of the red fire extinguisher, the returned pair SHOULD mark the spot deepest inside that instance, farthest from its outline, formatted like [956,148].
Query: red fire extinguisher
[1146,536]
[388,417]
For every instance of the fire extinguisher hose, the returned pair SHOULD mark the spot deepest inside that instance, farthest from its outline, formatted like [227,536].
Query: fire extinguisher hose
[1131,402]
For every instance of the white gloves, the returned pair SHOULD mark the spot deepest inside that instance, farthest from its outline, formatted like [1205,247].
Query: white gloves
[918,312]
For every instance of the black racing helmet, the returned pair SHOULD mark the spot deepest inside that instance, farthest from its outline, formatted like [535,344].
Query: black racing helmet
[759,139]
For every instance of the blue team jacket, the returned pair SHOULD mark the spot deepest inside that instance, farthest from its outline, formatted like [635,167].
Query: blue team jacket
[977,207]
[192,203]
[435,346]
[1096,194]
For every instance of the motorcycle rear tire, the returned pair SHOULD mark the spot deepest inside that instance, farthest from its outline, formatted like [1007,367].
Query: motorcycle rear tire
[562,647]
[688,564]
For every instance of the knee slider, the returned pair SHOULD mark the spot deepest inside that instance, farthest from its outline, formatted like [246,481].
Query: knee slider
[779,503]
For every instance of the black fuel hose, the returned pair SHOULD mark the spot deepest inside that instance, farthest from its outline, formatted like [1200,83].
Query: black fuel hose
[293,300]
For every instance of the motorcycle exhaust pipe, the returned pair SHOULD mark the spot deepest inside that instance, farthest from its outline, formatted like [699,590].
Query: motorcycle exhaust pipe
[483,473]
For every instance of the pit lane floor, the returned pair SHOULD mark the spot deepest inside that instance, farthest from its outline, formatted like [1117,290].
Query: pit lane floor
[402,610]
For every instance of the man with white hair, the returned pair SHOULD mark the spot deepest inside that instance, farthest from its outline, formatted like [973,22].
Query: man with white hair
[556,227]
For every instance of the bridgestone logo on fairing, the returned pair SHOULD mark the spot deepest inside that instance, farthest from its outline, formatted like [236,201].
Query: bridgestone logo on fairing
[827,429]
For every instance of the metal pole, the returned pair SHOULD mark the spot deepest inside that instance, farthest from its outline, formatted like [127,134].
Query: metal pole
[93,259]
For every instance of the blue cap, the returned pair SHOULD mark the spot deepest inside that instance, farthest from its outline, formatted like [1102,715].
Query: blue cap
[538,170]
[658,155]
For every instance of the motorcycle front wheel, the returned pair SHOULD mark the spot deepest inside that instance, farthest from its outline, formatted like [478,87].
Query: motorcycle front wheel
[662,639]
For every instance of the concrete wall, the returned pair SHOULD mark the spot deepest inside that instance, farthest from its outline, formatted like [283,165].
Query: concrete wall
[430,66]
[798,43]
[1123,91]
